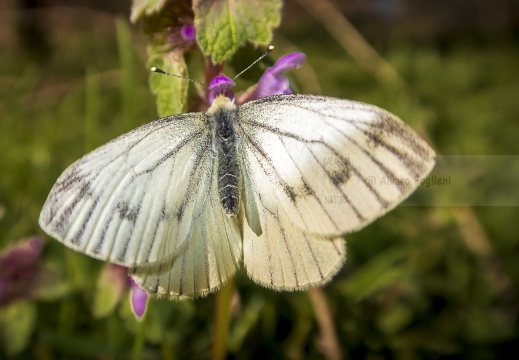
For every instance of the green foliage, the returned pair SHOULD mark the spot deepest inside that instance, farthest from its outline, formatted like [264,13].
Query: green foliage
[145,8]
[17,322]
[222,26]
[158,18]
[171,92]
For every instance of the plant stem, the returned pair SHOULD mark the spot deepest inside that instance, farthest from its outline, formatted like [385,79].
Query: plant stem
[222,321]
[138,344]
[328,341]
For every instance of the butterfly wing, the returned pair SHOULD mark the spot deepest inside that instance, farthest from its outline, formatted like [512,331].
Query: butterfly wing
[277,253]
[208,260]
[336,165]
[136,199]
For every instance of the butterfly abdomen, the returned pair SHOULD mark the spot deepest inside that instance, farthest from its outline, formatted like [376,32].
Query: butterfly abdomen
[223,114]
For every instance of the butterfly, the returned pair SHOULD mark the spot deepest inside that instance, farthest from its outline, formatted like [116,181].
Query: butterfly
[274,184]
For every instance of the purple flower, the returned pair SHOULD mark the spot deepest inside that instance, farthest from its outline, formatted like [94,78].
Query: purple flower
[273,82]
[188,32]
[19,269]
[182,37]
[220,85]
[139,298]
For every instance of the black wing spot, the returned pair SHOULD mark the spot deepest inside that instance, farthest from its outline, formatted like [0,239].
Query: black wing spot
[127,212]
[307,190]
[290,192]
[340,176]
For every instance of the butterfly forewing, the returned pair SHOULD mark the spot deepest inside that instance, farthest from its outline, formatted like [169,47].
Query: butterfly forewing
[336,164]
[121,202]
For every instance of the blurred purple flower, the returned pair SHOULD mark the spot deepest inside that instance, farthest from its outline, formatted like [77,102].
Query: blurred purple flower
[273,82]
[20,269]
[139,298]
[220,85]
[182,37]
[188,32]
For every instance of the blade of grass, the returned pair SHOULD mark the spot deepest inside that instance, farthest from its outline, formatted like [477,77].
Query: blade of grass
[92,101]
[124,45]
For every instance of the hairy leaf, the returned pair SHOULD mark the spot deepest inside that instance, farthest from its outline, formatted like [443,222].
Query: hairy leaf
[171,92]
[145,7]
[222,26]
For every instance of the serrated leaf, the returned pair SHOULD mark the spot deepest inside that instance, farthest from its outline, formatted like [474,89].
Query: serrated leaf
[145,7]
[222,26]
[171,92]
[17,322]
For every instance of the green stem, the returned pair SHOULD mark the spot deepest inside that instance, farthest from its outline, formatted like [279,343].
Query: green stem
[138,344]
[222,321]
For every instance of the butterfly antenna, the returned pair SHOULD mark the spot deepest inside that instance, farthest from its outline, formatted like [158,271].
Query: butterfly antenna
[160,71]
[270,48]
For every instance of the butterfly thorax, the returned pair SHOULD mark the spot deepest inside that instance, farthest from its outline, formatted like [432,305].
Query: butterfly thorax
[223,115]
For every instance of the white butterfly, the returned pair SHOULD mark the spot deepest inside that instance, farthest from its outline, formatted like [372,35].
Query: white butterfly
[275,183]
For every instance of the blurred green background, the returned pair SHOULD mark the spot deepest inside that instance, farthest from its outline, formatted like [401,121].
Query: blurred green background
[420,283]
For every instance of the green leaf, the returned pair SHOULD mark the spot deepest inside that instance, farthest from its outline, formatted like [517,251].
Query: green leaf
[171,92]
[145,7]
[17,323]
[222,26]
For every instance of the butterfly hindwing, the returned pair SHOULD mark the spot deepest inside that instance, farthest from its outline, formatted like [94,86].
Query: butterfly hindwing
[210,257]
[283,256]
